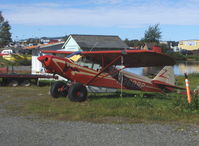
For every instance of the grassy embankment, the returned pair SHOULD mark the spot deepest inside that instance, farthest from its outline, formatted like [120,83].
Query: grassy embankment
[181,57]
[110,108]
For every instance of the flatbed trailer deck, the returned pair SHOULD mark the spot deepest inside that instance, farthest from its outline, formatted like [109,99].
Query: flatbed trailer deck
[22,79]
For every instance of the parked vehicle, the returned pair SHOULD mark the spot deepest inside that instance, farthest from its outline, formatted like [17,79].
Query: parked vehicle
[7,51]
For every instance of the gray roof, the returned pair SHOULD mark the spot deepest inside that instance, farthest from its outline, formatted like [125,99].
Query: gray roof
[55,46]
[99,42]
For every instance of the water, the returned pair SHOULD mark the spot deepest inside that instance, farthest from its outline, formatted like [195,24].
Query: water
[179,69]
[186,67]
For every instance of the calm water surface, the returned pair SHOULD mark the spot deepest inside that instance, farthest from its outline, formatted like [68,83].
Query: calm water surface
[179,69]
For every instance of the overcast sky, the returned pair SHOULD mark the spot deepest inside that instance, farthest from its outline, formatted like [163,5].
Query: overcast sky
[178,19]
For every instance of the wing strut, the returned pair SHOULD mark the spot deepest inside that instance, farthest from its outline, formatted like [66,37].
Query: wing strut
[103,69]
[121,83]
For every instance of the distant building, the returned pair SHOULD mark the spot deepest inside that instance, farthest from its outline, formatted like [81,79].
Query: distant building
[51,40]
[93,43]
[189,45]
[173,45]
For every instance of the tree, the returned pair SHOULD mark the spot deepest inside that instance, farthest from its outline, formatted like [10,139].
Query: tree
[65,37]
[153,34]
[5,35]
[134,43]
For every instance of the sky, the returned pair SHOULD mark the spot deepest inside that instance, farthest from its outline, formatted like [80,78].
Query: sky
[177,19]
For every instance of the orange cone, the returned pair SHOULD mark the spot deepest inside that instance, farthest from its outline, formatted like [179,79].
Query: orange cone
[187,89]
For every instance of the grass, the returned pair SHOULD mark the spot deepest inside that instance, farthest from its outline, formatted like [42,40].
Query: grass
[192,57]
[133,107]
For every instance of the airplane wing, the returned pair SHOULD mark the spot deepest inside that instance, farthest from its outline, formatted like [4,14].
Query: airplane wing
[131,58]
[57,52]
[74,56]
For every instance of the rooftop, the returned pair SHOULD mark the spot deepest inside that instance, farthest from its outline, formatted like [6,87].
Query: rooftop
[99,41]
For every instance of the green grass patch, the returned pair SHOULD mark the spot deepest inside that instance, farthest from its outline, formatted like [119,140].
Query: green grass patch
[108,108]
[133,107]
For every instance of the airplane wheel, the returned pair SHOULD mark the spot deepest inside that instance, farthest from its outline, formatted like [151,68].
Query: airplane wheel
[77,92]
[59,89]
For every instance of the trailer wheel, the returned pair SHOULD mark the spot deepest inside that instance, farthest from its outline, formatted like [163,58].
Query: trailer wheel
[13,83]
[26,83]
[59,89]
[77,92]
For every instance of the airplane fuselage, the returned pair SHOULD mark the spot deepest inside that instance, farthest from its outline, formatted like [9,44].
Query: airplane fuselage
[110,78]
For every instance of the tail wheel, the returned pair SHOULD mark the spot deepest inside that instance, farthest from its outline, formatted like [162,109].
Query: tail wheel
[59,89]
[77,92]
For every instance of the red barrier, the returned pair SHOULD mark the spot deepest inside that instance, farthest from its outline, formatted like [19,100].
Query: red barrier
[157,49]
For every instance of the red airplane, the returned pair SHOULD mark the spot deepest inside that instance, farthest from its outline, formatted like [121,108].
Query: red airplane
[109,75]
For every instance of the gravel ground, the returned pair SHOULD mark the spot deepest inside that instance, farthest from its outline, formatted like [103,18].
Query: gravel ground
[21,131]
[32,131]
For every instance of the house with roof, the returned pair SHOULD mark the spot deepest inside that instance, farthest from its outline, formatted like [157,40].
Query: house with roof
[189,45]
[93,43]
[51,39]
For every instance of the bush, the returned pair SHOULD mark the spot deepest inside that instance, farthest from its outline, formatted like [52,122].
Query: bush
[181,104]
[177,56]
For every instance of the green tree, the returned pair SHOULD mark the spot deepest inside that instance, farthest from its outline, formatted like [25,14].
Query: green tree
[165,48]
[65,37]
[153,34]
[5,35]
[134,43]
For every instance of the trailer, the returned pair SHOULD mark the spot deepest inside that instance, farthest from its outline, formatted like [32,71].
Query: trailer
[22,79]
[14,76]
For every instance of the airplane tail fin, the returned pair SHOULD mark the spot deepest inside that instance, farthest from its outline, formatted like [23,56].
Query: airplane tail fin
[166,75]
[165,79]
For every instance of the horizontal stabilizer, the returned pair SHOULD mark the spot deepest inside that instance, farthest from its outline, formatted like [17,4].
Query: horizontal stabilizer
[165,85]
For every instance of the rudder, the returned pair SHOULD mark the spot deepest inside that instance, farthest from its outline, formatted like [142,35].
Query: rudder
[166,75]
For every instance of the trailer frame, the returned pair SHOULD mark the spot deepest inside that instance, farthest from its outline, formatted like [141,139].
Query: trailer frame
[14,79]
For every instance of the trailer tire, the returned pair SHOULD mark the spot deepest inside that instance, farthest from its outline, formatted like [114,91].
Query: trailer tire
[77,92]
[59,89]
[26,83]
[13,83]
